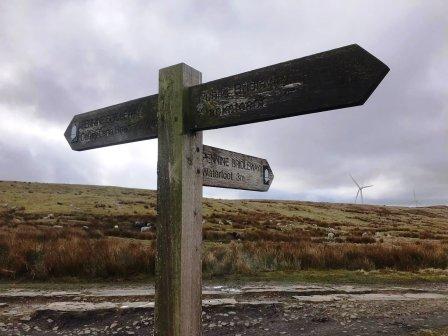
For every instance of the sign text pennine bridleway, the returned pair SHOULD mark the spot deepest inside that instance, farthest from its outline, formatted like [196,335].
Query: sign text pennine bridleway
[184,107]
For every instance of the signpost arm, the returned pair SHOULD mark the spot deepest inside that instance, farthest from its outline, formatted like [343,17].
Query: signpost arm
[179,224]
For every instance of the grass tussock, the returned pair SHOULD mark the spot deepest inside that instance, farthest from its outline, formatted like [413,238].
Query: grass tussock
[42,253]
[249,257]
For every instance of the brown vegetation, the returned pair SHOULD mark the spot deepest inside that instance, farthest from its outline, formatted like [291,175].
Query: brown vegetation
[269,256]
[52,231]
[42,253]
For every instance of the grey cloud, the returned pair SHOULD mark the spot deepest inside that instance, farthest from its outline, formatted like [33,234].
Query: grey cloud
[44,164]
[77,56]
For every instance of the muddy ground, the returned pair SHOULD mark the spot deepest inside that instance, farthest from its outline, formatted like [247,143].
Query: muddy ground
[257,309]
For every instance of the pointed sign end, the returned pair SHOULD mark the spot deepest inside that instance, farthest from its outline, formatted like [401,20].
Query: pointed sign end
[71,134]
[372,69]
[371,56]
[268,176]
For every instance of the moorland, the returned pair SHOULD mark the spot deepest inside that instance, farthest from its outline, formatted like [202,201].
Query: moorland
[82,232]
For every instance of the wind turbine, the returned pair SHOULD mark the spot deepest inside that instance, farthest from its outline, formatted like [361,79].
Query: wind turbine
[360,188]
[415,200]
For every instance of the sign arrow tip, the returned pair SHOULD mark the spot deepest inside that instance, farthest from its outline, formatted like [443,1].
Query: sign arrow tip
[71,133]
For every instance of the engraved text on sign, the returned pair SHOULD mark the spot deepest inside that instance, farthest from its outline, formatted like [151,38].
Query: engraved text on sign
[226,169]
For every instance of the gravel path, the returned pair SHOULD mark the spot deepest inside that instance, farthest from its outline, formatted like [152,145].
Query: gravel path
[252,310]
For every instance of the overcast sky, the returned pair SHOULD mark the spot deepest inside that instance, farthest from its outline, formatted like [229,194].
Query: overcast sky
[61,58]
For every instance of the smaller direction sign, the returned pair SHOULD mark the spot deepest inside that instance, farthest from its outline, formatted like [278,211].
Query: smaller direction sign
[134,120]
[226,169]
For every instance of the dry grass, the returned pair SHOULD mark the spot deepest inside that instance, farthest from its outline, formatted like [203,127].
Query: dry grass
[50,231]
[252,257]
[42,253]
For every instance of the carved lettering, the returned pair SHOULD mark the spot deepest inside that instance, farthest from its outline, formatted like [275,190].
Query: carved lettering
[111,125]
[220,174]
[213,158]
[226,169]
[246,165]
[243,97]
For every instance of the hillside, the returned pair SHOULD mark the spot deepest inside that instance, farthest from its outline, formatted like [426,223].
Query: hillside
[240,236]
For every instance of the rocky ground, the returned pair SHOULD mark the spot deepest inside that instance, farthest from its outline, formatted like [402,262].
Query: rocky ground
[249,310]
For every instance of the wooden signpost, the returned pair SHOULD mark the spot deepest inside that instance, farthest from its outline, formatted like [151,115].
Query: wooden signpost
[183,108]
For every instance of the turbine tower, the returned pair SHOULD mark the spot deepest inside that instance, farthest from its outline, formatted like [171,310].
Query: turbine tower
[360,188]
[415,200]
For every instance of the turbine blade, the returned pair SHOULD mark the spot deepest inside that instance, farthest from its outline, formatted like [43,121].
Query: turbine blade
[356,199]
[367,186]
[354,181]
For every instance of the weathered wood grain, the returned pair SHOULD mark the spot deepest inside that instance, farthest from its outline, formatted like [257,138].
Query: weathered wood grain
[330,80]
[131,121]
[179,202]
[225,169]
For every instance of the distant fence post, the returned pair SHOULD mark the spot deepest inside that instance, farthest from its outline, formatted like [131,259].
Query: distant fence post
[178,300]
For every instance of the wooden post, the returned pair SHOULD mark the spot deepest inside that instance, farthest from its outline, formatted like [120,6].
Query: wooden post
[179,219]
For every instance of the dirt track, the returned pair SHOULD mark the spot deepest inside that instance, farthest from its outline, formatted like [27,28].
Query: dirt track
[254,310]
